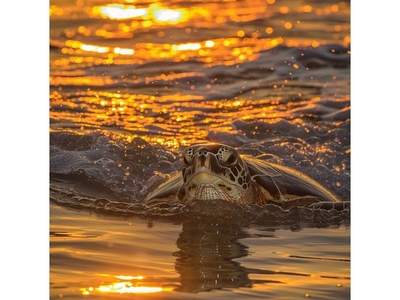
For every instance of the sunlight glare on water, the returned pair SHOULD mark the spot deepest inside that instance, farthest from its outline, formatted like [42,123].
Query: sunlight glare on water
[124,286]
[113,40]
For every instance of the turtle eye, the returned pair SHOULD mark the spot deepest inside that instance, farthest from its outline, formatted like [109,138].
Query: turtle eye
[181,193]
[231,159]
[227,156]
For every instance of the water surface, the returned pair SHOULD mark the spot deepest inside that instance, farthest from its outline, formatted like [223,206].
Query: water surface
[108,257]
[132,83]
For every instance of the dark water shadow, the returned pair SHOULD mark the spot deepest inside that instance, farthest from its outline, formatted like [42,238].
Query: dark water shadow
[206,257]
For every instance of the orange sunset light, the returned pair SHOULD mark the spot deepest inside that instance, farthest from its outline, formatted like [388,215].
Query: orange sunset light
[126,285]
[153,13]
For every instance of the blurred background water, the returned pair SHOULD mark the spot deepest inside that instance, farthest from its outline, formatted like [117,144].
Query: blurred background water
[134,82]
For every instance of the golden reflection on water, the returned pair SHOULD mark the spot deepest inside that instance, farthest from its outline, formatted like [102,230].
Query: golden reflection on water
[125,285]
[166,114]
[236,46]
[219,51]
[112,257]
[154,13]
[116,35]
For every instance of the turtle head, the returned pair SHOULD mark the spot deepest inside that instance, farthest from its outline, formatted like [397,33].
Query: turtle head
[214,171]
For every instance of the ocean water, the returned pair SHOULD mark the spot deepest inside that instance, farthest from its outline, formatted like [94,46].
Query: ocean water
[132,83]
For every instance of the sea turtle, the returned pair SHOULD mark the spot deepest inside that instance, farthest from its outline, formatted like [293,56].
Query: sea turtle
[216,171]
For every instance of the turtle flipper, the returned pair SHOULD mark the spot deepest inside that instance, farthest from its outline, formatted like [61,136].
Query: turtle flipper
[167,190]
[279,180]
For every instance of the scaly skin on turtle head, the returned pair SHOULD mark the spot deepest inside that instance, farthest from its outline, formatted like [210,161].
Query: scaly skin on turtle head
[215,171]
